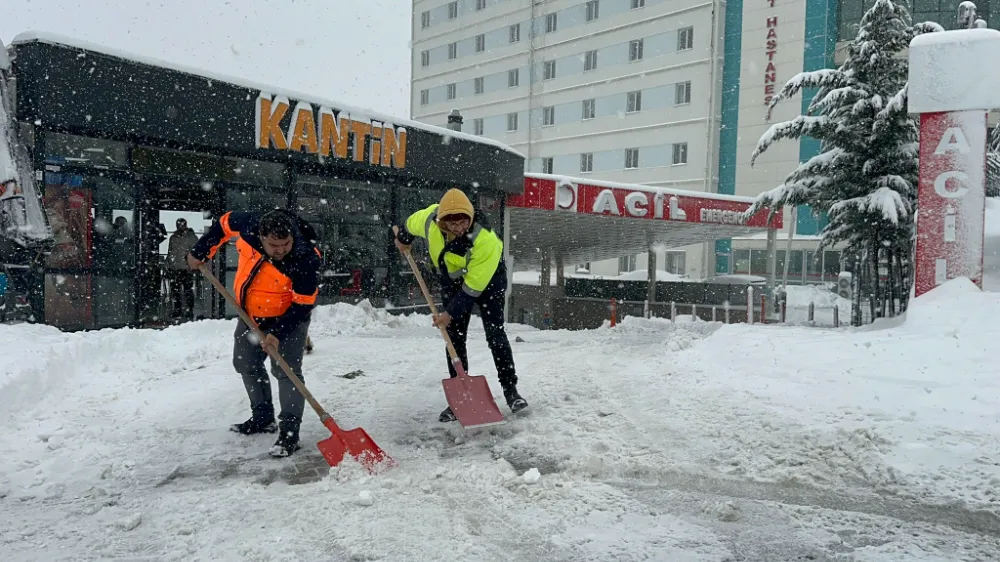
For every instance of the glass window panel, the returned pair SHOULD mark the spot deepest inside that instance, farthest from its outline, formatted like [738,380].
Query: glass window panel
[812,264]
[758,262]
[71,149]
[741,261]
[352,221]
[831,263]
[114,224]
[68,302]
[795,266]
[67,203]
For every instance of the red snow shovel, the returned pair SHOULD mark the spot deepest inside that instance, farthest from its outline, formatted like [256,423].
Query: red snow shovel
[470,398]
[355,442]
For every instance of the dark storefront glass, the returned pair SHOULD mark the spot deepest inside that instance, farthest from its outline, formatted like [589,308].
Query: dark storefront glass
[207,167]
[92,265]
[114,252]
[352,220]
[85,151]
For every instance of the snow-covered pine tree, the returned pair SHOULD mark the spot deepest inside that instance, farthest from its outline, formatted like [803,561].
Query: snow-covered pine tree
[865,178]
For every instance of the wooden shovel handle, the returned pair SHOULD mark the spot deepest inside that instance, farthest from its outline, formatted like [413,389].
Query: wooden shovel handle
[323,416]
[430,303]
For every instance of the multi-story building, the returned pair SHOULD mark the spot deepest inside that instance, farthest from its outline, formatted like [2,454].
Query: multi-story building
[660,92]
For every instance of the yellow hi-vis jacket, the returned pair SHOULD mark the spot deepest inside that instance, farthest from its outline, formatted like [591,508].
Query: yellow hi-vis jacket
[472,258]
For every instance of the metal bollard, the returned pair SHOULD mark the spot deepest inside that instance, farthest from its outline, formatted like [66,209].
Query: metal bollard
[812,312]
[714,310]
[694,312]
[836,316]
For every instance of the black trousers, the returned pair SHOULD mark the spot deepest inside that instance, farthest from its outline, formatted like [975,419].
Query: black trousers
[491,310]
[182,282]
[248,360]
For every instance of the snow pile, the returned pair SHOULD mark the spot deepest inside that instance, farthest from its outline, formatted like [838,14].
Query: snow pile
[672,335]
[943,71]
[342,319]
[823,300]
[956,309]
[906,410]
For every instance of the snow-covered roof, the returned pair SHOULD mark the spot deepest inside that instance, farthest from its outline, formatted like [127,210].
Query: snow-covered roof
[640,187]
[56,39]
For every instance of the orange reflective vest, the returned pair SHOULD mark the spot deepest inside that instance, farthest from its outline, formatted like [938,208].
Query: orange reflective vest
[265,288]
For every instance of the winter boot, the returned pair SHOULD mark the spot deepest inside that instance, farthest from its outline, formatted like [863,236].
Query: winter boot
[514,400]
[447,416]
[288,441]
[255,425]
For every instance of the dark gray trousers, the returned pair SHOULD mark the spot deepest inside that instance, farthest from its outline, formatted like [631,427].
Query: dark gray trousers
[248,359]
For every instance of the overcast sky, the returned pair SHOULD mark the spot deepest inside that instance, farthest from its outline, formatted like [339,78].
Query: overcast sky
[355,52]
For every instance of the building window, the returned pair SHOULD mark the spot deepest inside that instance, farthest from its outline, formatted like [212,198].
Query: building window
[682,93]
[511,122]
[452,10]
[452,51]
[480,43]
[588,109]
[592,10]
[515,33]
[477,126]
[451,91]
[547,165]
[673,262]
[425,20]
[549,70]
[550,23]
[425,58]
[548,116]
[635,50]
[636,4]
[626,264]
[633,101]
[680,155]
[590,60]
[685,39]
[587,162]
[631,158]
[425,97]
[480,5]
[513,78]
[478,85]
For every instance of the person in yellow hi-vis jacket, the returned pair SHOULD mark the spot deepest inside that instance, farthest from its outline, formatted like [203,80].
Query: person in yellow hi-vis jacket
[468,258]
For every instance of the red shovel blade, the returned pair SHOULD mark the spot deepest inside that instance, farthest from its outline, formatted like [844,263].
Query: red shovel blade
[356,443]
[472,401]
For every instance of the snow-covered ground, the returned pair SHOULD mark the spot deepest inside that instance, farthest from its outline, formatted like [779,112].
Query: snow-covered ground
[655,441]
